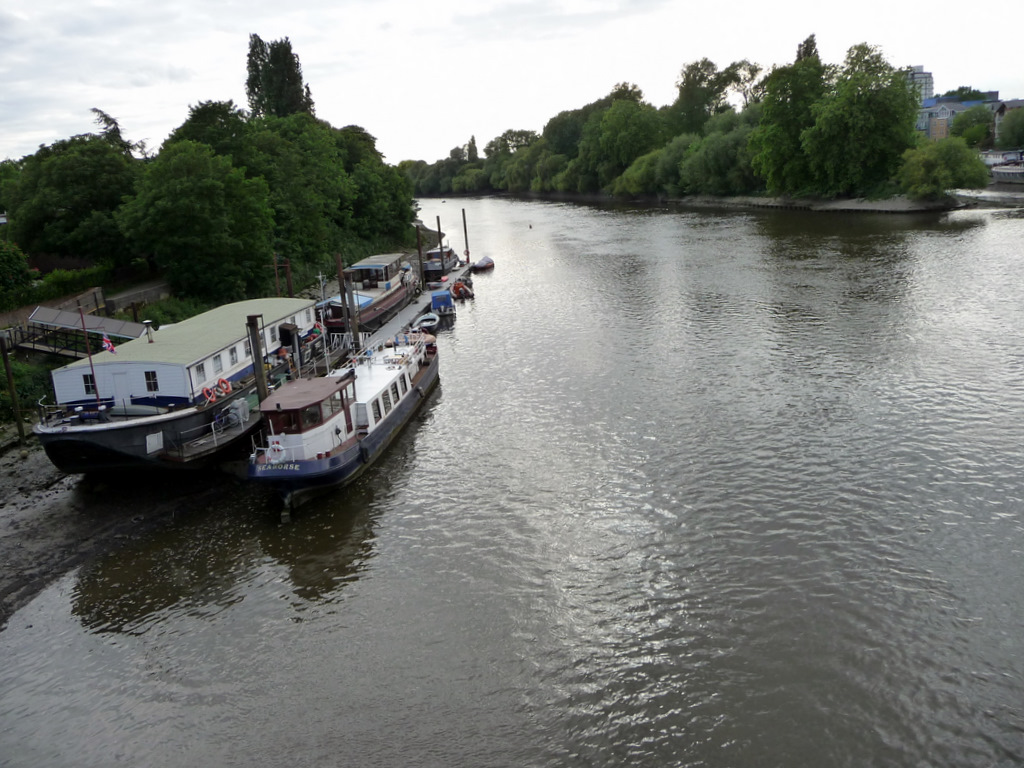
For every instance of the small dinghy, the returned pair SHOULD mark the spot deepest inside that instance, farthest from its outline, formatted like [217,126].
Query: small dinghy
[426,322]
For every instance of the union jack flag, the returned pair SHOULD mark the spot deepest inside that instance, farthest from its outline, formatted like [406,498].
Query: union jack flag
[108,345]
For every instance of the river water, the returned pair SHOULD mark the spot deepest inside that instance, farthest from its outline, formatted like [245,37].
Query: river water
[697,488]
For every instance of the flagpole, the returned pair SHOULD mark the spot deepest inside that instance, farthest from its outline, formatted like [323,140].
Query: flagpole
[88,351]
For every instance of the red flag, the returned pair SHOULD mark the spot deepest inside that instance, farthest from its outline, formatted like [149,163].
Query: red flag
[108,345]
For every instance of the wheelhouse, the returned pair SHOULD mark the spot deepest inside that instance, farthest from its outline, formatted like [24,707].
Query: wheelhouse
[309,404]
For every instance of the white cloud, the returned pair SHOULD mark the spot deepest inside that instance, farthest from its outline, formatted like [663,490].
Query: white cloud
[424,77]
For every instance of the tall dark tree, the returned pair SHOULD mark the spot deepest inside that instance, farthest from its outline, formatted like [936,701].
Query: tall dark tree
[274,84]
[702,90]
[862,126]
[790,95]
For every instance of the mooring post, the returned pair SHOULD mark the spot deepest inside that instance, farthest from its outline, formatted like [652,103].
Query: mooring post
[10,386]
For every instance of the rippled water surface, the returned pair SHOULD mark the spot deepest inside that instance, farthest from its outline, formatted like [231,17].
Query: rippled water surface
[703,489]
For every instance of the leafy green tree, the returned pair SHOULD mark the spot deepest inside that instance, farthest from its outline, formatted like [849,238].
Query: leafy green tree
[790,95]
[974,125]
[274,84]
[470,180]
[563,132]
[9,173]
[208,227]
[931,170]
[356,145]
[472,154]
[669,160]
[629,129]
[546,170]
[747,81]
[112,134]
[862,126]
[640,179]
[702,91]
[312,196]
[1011,130]
[382,203]
[965,93]
[62,201]
[219,124]
[14,271]
[720,163]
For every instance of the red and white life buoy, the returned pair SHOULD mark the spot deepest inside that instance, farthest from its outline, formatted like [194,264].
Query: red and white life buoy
[275,452]
[223,387]
[210,395]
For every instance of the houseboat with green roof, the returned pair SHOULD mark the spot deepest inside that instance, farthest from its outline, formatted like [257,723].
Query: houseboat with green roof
[183,396]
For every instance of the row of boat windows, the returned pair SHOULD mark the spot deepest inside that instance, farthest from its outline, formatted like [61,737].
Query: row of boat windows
[292,422]
[217,361]
[388,398]
[152,384]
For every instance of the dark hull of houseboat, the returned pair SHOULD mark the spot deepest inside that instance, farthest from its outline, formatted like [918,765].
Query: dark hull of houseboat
[298,481]
[192,438]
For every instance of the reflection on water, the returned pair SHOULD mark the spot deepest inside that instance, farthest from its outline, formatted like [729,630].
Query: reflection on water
[712,488]
[204,565]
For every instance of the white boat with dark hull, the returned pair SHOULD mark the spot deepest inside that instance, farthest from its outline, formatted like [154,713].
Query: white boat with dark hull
[381,287]
[183,397]
[322,433]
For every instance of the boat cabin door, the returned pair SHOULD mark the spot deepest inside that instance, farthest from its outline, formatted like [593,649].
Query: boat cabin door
[122,389]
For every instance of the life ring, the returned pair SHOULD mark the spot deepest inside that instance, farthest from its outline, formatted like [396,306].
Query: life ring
[276,452]
[223,387]
[210,395]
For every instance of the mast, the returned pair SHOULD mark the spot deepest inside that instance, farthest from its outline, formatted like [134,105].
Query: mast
[92,368]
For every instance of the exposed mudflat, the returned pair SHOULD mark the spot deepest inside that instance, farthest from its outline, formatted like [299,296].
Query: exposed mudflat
[51,522]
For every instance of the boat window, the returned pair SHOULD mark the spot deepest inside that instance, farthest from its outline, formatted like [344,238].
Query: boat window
[282,422]
[394,391]
[376,411]
[311,416]
[248,349]
[387,401]
[90,384]
[218,364]
[331,405]
[200,373]
[233,356]
[309,316]
[402,381]
[273,333]
[151,382]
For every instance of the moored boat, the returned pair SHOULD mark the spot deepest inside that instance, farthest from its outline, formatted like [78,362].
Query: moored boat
[427,322]
[382,286]
[446,256]
[322,433]
[181,397]
[441,304]
[461,290]
[482,265]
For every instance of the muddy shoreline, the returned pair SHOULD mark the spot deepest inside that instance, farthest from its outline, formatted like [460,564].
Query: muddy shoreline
[50,522]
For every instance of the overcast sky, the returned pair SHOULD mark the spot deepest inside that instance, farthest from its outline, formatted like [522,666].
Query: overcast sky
[423,76]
